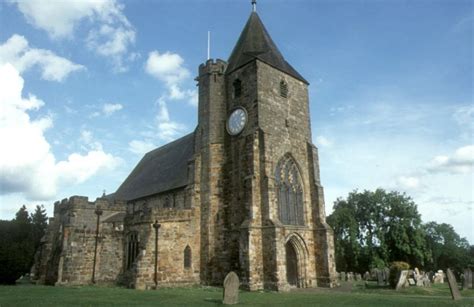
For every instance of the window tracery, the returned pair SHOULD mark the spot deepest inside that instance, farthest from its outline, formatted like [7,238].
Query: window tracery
[289,192]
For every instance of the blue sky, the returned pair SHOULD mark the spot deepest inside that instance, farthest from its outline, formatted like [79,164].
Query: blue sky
[87,87]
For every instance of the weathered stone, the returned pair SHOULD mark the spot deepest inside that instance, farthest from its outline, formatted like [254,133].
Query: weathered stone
[386,275]
[467,280]
[227,209]
[438,277]
[453,285]
[231,289]
[366,276]
[402,279]
[380,278]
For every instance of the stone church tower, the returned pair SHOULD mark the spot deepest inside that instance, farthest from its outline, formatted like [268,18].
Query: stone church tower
[241,193]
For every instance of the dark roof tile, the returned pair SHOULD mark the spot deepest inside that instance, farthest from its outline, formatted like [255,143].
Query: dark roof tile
[255,43]
[160,170]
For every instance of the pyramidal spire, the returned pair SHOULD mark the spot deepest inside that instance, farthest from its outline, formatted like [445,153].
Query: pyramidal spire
[255,43]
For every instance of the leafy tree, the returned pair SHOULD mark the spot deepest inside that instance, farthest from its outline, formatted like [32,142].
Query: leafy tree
[373,229]
[18,242]
[449,250]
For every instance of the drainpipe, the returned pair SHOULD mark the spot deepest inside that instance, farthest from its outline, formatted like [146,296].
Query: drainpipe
[98,212]
[156,226]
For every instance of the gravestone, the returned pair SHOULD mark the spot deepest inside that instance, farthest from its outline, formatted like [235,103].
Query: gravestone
[426,280]
[438,277]
[358,277]
[380,278]
[467,282]
[231,289]
[453,285]
[366,275]
[343,276]
[402,279]
[350,276]
[411,281]
[386,275]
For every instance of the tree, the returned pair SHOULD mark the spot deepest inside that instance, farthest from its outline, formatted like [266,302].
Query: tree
[373,229]
[39,221]
[19,240]
[448,249]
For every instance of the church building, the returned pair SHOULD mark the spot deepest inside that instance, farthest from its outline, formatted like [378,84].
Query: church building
[241,193]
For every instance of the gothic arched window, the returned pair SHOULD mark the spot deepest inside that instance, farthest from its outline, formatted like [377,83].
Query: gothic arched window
[132,249]
[187,257]
[289,192]
[237,88]
[283,89]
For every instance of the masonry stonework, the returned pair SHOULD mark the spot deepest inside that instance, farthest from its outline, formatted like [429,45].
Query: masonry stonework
[251,203]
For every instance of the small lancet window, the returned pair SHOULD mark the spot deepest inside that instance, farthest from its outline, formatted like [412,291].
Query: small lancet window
[237,88]
[167,202]
[132,249]
[283,89]
[187,257]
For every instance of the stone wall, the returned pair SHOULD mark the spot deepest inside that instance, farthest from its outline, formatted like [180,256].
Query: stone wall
[179,229]
[67,255]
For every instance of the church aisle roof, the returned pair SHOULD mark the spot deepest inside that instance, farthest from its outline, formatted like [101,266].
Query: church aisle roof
[160,170]
[255,43]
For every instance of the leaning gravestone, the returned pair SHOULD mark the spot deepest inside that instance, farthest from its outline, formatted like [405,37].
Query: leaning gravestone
[402,279]
[467,282]
[411,281]
[453,285]
[231,289]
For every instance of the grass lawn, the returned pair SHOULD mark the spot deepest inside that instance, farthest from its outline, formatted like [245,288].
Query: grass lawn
[360,295]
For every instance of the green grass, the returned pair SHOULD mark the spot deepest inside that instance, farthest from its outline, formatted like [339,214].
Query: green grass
[102,296]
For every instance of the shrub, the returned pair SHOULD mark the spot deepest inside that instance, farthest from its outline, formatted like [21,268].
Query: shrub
[395,268]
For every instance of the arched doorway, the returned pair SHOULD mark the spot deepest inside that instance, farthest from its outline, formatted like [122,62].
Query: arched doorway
[291,265]
[296,261]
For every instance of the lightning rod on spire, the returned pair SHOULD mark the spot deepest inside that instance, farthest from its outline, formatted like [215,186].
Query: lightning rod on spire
[254,5]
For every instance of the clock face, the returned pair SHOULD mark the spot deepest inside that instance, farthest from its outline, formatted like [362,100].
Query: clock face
[237,121]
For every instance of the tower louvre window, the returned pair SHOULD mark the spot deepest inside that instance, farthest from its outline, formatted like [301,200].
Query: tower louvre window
[289,192]
[283,89]
[237,88]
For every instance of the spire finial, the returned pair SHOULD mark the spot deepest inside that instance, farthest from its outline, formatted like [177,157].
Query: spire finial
[254,5]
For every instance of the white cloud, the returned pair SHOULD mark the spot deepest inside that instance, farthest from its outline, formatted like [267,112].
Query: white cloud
[165,130]
[110,33]
[27,164]
[141,147]
[461,162]
[464,115]
[323,141]
[168,68]
[168,130]
[408,182]
[110,108]
[53,68]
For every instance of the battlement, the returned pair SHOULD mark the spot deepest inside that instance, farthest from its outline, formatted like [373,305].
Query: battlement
[75,202]
[213,66]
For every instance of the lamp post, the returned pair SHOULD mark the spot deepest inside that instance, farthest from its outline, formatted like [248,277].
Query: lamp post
[98,212]
[156,226]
